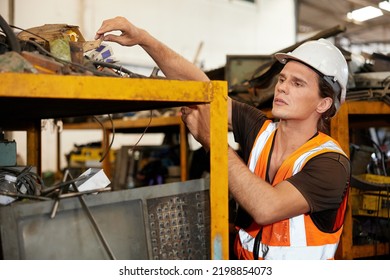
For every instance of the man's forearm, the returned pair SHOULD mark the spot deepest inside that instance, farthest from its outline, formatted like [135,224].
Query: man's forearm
[173,65]
[250,191]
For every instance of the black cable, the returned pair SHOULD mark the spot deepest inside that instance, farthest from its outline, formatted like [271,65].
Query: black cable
[143,133]
[95,63]
[112,139]
[26,181]
[108,148]
[104,131]
[77,65]
[382,159]
[120,68]
[256,245]
[11,38]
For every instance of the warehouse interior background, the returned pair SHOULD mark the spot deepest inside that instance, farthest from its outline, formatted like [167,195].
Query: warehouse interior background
[212,28]
[204,32]
[209,33]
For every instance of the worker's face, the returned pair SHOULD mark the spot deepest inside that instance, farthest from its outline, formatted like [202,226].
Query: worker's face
[296,92]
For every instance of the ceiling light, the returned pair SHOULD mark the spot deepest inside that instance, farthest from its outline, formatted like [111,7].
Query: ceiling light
[385,5]
[365,13]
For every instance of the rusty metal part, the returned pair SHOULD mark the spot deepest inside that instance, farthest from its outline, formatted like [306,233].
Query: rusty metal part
[50,32]
[43,64]
[47,34]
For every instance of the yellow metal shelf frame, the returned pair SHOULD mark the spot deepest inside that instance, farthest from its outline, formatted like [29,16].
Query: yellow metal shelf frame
[128,125]
[28,98]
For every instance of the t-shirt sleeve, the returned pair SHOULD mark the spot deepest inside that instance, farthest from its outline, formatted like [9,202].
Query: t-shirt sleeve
[323,181]
[247,121]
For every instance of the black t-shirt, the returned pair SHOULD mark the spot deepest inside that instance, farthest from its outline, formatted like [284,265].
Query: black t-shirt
[322,181]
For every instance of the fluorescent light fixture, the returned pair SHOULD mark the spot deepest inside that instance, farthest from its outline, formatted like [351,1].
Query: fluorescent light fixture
[385,5]
[365,13]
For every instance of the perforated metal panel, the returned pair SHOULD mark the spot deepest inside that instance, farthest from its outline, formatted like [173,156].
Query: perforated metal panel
[170,221]
[180,226]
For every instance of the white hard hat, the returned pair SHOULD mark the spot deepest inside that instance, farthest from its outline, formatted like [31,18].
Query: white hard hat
[325,58]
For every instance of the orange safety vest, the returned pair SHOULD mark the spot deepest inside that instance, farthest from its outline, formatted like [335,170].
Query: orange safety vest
[297,237]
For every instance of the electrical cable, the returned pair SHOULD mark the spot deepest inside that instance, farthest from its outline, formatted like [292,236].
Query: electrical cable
[108,147]
[43,50]
[143,133]
[104,131]
[77,65]
[382,157]
[96,72]
[112,139]
[11,38]
[26,181]
[119,68]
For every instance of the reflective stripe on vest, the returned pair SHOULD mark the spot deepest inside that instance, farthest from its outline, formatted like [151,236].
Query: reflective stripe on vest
[330,145]
[298,247]
[259,144]
[324,252]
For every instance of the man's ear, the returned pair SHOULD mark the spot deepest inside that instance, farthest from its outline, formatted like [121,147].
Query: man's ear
[324,105]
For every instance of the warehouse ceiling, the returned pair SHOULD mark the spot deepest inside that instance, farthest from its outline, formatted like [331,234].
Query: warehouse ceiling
[318,15]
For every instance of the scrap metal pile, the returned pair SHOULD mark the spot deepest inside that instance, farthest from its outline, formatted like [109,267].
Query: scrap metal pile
[57,49]
[49,49]
[369,75]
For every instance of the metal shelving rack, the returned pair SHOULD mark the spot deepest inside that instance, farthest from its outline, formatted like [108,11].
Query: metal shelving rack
[130,125]
[26,99]
[369,113]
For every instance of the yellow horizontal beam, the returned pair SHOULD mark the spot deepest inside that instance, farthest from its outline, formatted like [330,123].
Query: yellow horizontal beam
[367,107]
[128,123]
[102,88]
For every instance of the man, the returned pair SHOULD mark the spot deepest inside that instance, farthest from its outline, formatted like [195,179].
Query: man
[293,179]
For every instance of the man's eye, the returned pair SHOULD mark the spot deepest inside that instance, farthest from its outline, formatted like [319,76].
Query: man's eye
[298,84]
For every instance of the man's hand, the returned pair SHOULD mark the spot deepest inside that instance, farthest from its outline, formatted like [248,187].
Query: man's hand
[197,119]
[130,34]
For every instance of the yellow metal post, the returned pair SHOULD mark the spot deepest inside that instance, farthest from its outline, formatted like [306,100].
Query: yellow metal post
[34,149]
[219,173]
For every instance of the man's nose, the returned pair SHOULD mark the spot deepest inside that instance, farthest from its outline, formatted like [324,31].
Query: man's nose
[282,87]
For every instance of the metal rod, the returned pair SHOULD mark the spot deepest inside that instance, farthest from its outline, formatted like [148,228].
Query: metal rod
[57,201]
[18,195]
[95,225]
[63,184]
[75,194]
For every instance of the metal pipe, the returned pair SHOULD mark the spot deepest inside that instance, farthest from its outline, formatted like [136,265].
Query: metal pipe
[95,225]
[18,195]
[93,221]
[75,194]
[57,201]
